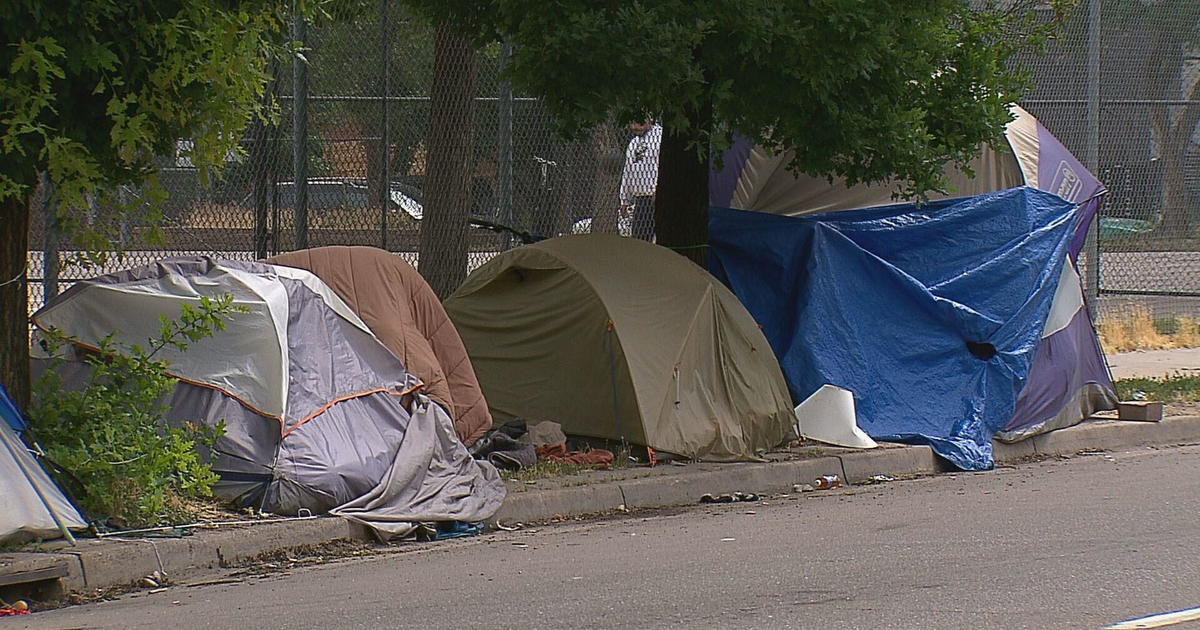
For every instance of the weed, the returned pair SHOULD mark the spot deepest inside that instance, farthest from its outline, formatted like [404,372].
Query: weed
[1177,387]
[1139,330]
[543,469]
[131,468]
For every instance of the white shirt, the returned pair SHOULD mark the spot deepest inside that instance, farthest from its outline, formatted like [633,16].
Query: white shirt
[640,176]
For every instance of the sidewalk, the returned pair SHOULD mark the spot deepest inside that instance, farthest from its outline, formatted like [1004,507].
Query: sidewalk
[101,564]
[1155,363]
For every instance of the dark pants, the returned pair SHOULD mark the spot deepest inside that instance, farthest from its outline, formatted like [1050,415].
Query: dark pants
[643,218]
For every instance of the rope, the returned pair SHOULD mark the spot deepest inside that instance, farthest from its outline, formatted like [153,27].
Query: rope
[20,274]
[683,247]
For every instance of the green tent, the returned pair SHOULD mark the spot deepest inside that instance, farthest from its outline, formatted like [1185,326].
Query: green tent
[616,338]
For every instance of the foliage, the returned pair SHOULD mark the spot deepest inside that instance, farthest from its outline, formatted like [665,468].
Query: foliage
[94,90]
[863,90]
[1177,387]
[111,435]
[1138,329]
[543,469]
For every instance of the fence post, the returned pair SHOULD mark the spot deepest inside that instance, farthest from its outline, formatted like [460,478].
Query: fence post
[1091,279]
[386,197]
[262,152]
[300,130]
[504,159]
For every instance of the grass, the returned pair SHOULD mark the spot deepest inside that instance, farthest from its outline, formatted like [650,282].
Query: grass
[546,469]
[1139,330]
[543,469]
[1177,387]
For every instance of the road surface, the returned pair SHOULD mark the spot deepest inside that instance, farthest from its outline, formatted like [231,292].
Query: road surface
[1079,543]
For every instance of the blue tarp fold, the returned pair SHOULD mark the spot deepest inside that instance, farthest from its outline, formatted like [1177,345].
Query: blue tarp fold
[930,314]
[9,412]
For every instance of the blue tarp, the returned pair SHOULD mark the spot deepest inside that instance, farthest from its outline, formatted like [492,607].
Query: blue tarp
[9,412]
[930,314]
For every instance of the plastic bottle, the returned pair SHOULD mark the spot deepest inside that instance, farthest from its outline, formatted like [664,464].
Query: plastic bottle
[826,482]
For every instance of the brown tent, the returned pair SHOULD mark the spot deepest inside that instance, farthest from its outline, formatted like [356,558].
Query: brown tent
[400,308]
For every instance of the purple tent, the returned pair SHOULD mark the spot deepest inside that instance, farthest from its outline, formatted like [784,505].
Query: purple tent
[1069,379]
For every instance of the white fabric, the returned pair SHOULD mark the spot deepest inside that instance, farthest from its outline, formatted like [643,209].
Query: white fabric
[640,177]
[318,286]
[828,416]
[29,495]
[1068,299]
[248,360]
[766,185]
[1022,138]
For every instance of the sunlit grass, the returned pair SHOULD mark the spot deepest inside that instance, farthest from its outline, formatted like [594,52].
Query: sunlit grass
[1139,330]
[1177,387]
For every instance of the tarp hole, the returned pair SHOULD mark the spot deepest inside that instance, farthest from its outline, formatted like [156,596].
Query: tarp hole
[981,350]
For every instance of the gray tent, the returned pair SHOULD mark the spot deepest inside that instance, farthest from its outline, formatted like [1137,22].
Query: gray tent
[616,338]
[320,416]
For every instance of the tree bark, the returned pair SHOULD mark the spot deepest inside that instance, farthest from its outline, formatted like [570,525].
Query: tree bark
[1174,135]
[1172,127]
[606,189]
[14,304]
[681,199]
[447,190]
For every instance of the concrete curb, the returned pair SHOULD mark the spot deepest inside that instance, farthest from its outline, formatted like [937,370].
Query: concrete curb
[1103,435]
[98,564]
[110,562]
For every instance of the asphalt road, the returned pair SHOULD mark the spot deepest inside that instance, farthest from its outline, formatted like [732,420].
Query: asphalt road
[1079,543]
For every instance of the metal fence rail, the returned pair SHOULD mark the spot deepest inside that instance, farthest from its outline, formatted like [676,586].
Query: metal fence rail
[1120,88]
[346,162]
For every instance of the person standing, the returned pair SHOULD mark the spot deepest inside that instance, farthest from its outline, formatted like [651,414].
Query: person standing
[640,177]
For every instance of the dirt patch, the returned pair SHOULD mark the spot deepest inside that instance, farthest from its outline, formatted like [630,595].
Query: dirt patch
[1181,409]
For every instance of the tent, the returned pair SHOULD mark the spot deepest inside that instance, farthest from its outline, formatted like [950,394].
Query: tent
[396,303]
[615,339]
[320,416]
[34,506]
[1066,379]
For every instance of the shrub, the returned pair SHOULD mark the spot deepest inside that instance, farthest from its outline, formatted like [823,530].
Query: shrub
[110,434]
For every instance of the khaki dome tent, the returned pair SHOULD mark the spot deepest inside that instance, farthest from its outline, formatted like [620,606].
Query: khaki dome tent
[614,337]
[405,314]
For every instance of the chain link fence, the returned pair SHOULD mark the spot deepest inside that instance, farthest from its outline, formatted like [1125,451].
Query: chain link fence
[347,160]
[389,118]
[1121,88]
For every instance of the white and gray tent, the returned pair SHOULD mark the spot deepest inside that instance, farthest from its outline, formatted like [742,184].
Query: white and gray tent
[320,416]
[34,507]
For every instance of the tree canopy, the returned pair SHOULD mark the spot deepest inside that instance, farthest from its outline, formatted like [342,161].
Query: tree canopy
[860,89]
[864,90]
[93,90]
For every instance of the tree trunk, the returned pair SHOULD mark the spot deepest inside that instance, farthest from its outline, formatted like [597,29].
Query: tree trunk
[606,189]
[14,296]
[447,190]
[1177,202]
[1174,135]
[681,199]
